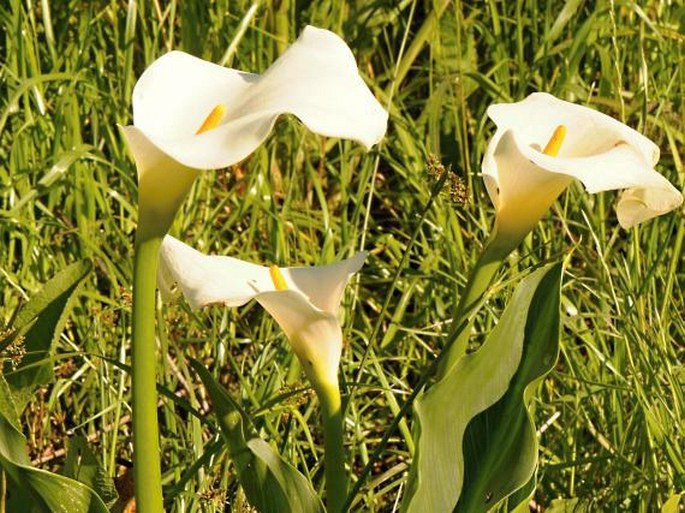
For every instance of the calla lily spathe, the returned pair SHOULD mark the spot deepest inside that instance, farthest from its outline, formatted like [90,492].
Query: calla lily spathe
[305,304]
[523,180]
[189,114]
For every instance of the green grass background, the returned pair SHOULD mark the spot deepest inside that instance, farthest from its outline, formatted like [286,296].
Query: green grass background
[612,410]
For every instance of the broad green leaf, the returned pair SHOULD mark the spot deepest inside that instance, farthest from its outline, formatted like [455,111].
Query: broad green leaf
[271,484]
[519,501]
[500,445]
[31,490]
[475,439]
[37,326]
[81,464]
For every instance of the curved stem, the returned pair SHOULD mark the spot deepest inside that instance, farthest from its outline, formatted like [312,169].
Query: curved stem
[146,457]
[3,491]
[334,451]
[480,279]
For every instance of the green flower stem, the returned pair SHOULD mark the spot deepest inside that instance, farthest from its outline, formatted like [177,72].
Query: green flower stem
[146,457]
[3,491]
[334,451]
[480,279]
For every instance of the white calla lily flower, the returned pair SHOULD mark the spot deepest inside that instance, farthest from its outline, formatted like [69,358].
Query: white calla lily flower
[304,301]
[190,114]
[542,144]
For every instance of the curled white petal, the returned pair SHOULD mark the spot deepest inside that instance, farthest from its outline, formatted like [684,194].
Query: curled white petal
[521,190]
[207,279]
[324,285]
[162,182]
[590,132]
[316,79]
[315,335]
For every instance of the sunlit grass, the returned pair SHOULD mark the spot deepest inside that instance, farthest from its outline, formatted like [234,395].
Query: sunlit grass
[612,409]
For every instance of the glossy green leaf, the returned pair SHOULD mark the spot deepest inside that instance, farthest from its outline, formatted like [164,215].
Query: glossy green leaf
[476,443]
[271,484]
[37,326]
[31,490]
[519,501]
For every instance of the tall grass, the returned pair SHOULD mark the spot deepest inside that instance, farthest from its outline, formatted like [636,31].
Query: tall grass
[611,412]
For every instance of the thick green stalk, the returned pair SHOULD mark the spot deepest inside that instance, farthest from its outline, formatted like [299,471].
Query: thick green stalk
[480,279]
[146,457]
[3,491]
[334,451]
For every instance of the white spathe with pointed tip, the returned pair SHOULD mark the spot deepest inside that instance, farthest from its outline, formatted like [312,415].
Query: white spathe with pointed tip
[307,310]
[316,79]
[601,152]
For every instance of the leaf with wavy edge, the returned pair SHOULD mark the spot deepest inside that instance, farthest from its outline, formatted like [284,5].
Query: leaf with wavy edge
[475,439]
[33,490]
[39,323]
